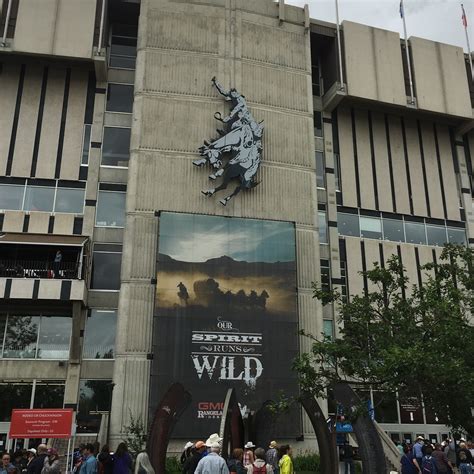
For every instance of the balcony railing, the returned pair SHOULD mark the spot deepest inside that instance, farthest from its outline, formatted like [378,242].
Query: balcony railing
[18,268]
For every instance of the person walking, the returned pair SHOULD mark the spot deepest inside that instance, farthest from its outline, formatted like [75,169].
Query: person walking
[143,464]
[464,459]
[272,457]
[260,465]
[418,450]
[408,462]
[106,461]
[212,463]
[286,464]
[7,467]
[442,463]
[89,464]
[428,465]
[122,460]
[196,455]
[235,464]
[37,464]
[51,463]
[249,457]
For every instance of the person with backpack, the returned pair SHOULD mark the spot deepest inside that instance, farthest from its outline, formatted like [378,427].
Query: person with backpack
[464,459]
[442,463]
[235,464]
[260,465]
[428,465]
[408,462]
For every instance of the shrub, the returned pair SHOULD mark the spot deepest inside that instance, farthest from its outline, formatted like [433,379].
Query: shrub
[308,462]
[173,466]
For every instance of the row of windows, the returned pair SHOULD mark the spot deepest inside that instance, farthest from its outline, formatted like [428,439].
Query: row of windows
[49,337]
[29,197]
[399,229]
[123,46]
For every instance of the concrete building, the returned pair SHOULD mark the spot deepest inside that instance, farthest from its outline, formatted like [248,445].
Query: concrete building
[103,107]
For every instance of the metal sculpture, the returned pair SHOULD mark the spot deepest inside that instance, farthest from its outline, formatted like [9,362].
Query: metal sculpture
[171,407]
[232,425]
[242,138]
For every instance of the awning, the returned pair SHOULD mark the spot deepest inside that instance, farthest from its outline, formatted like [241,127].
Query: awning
[42,239]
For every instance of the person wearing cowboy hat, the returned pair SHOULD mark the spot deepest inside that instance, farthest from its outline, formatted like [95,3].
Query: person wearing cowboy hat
[214,438]
[213,463]
[249,457]
[272,456]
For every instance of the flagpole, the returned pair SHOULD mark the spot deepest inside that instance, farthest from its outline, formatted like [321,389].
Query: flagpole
[467,40]
[338,34]
[402,14]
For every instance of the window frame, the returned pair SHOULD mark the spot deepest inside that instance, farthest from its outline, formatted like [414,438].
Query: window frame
[102,147]
[107,97]
[97,208]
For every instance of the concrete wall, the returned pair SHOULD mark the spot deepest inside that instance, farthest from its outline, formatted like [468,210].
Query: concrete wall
[55,27]
[373,63]
[440,77]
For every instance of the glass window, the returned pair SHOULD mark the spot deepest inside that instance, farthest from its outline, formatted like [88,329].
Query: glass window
[318,124]
[320,169]
[70,200]
[120,98]
[116,146]
[325,275]
[323,227]
[11,196]
[337,171]
[86,145]
[21,337]
[13,395]
[370,227]
[49,394]
[457,236]
[39,198]
[415,233]
[385,407]
[393,230]
[99,338]
[436,235]
[54,337]
[328,328]
[106,271]
[123,52]
[348,224]
[111,209]
[3,325]
[94,398]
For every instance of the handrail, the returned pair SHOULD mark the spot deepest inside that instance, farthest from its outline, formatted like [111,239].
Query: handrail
[7,20]
[23,268]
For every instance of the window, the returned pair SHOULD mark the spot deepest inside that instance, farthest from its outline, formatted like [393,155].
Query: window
[70,200]
[370,227]
[99,338]
[415,233]
[393,230]
[348,224]
[436,235]
[116,146]
[39,198]
[120,98]
[456,236]
[94,399]
[54,337]
[123,49]
[320,170]
[11,196]
[328,328]
[106,265]
[86,145]
[343,281]
[318,124]
[337,171]
[325,275]
[315,79]
[21,337]
[323,227]
[48,394]
[110,209]
[385,407]
[14,395]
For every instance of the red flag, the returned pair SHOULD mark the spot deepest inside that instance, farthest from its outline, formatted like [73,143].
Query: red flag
[464,17]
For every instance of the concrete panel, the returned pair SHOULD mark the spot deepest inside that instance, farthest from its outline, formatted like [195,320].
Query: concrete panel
[22,288]
[75,28]
[354,266]
[389,249]
[310,318]
[8,91]
[27,370]
[13,221]
[49,290]
[364,158]
[53,105]
[97,369]
[27,121]
[372,257]
[373,62]
[78,290]
[346,150]
[416,169]
[63,223]
[108,234]
[73,133]
[381,162]
[39,222]
[117,120]
[113,175]
[426,256]
[2,287]
[432,174]
[409,263]
[103,299]
[440,77]
[306,247]
[398,163]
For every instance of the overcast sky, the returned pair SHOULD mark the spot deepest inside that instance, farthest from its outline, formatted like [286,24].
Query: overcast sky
[437,20]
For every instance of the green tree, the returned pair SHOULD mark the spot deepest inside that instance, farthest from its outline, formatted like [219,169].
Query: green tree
[136,435]
[401,337]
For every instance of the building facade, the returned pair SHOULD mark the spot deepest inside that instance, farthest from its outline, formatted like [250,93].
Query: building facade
[103,107]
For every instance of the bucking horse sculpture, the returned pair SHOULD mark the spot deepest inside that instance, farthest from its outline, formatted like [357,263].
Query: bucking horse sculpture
[241,137]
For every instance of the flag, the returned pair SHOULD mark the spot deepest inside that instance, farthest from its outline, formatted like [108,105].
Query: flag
[464,17]
[402,13]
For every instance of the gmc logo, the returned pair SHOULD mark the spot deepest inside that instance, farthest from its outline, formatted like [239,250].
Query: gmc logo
[210,406]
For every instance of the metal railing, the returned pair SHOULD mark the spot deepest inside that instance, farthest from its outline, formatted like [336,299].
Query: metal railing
[19,268]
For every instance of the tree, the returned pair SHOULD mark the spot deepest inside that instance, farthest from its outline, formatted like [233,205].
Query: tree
[405,338]
[136,435]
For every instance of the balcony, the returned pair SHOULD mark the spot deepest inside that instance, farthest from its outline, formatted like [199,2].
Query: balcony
[22,268]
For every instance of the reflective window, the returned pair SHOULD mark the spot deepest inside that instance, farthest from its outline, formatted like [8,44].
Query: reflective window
[86,145]
[385,407]
[393,230]
[325,275]
[49,394]
[318,124]
[123,48]
[39,198]
[106,270]
[328,328]
[11,196]
[116,146]
[70,200]
[120,98]
[99,338]
[337,171]
[111,209]
[323,227]
[415,233]
[456,236]
[94,399]
[13,395]
[320,169]
[436,235]
[348,224]
[54,337]
[3,325]
[21,337]
[370,227]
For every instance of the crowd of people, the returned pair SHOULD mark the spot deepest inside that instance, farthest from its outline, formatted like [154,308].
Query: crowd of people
[448,457]
[205,458]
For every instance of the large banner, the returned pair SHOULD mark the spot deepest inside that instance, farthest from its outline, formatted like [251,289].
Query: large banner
[225,316]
